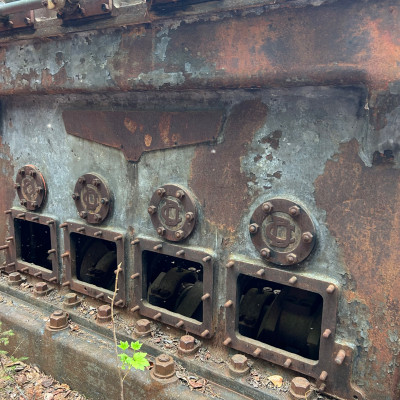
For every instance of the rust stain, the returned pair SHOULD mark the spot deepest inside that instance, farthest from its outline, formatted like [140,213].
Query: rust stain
[272,139]
[147,140]
[216,177]
[363,214]
[164,126]
[130,125]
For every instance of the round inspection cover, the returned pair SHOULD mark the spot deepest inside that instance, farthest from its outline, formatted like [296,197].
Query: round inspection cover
[173,212]
[282,232]
[31,187]
[92,198]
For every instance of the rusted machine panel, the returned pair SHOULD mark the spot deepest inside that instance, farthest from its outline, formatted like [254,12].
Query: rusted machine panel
[237,163]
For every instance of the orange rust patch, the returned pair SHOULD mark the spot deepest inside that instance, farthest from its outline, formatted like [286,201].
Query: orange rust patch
[363,215]
[164,126]
[130,125]
[147,140]
[216,177]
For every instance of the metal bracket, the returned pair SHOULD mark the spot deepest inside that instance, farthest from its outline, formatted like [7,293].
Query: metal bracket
[17,21]
[84,10]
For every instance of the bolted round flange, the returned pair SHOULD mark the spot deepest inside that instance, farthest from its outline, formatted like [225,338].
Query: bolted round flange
[31,187]
[15,279]
[283,228]
[300,388]
[41,289]
[173,212]
[58,321]
[164,369]
[238,365]
[71,300]
[104,314]
[187,345]
[142,327]
[92,198]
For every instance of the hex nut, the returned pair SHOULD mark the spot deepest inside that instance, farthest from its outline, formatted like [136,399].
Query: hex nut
[299,388]
[179,234]
[152,210]
[253,228]
[71,300]
[187,345]
[142,327]
[41,289]
[307,237]
[103,314]
[164,369]
[291,258]
[58,321]
[14,279]
[267,207]
[294,211]
[238,365]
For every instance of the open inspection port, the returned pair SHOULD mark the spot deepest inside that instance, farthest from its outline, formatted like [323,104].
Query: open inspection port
[33,241]
[174,284]
[95,260]
[284,317]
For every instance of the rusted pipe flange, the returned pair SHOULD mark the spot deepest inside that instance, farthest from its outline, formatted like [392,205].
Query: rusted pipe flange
[41,289]
[164,369]
[142,328]
[92,198]
[58,321]
[238,365]
[187,345]
[173,212]
[31,187]
[71,300]
[282,231]
[103,314]
[15,279]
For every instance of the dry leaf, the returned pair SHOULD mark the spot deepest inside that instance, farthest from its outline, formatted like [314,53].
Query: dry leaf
[195,384]
[277,380]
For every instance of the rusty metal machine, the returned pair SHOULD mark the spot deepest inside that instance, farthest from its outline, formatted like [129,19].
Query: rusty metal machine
[239,160]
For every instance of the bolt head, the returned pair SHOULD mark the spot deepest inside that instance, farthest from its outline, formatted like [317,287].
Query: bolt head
[189,216]
[41,287]
[267,207]
[187,342]
[253,228]
[105,7]
[27,20]
[294,211]
[300,386]
[161,230]
[179,234]
[291,258]
[143,325]
[152,210]
[180,194]
[160,192]
[239,362]
[83,214]
[104,200]
[75,196]
[58,319]
[307,237]
[14,277]
[23,202]
[32,173]
[71,298]
[39,190]
[164,366]
[21,171]
[265,253]
[97,217]
[17,186]
[104,311]
[96,182]
[82,179]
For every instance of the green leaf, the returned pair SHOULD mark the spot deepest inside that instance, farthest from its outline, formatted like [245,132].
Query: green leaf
[123,345]
[136,345]
[123,357]
[139,361]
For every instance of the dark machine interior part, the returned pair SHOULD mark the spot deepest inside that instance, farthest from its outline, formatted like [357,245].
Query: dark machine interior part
[33,243]
[281,316]
[174,284]
[96,260]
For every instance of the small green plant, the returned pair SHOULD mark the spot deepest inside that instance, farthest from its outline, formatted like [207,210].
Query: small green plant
[138,359]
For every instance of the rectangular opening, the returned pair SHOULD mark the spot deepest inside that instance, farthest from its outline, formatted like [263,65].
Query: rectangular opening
[173,283]
[281,316]
[33,242]
[95,260]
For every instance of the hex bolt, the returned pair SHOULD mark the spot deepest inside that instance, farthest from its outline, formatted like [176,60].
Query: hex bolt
[287,363]
[228,304]
[161,230]
[307,237]
[187,345]
[180,194]
[135,308]
[206,259]
[294,211]
[323,376]
[14,279]
[97,217]
[51,251]
[143,327]
[157,246]
[104,200]
[327,333]
[267,207]
[253,228]
[39,190]
[227,341]
[41,289]
[238,364]
[104,314]
[260,272]
[291,258]
[58,320]
[205,333]
[75,196]
[27,21]
[135,242]
[292,280]
[330,289]
[179,324]
[152,210]
[98,233]
[105,7]
[64,255]
[205,296]
[81,229]
[164,369]
[157,316]
[17,186]
[189,216]
[179,234]
[135,276]
[160,192]
[257,352]
[83,214]
[299,387]
[230,264]
[340,356]
[180,253]
[23,202]
[265,253]
[81,180]
[96,182]
[71,299]
[37,275]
